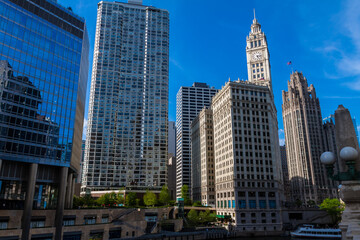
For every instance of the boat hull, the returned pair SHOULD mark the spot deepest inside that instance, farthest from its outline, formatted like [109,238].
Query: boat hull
[318,236]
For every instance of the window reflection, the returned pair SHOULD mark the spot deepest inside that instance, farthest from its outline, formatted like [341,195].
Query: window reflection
[27,132]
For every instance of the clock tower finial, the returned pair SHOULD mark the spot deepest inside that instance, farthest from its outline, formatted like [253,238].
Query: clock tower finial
[258,57]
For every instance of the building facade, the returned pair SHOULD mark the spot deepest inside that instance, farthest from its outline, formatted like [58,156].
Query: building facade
[171,177]
[239,136]
[202,156]
[285,174]
[44,68]
[172,139]
[189,102]
[304,140]
[247,159]
[127,134]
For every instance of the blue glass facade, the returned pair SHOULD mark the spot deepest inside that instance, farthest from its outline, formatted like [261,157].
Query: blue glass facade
[43,76]
[39,88]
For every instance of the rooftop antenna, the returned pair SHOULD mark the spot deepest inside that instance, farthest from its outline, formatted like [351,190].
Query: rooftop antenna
[254,14]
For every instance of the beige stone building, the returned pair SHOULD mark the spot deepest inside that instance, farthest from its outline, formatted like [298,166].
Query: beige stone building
[247,159]
[248,179]
[304,139]
[202,155]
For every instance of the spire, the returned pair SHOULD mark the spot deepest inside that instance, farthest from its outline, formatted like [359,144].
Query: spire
[255,26]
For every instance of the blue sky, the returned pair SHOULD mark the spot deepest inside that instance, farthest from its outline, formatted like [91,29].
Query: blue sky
[208,38]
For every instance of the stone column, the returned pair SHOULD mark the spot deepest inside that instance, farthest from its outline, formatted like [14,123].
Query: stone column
[72,192]
[349,190]
[29,199]
[68,190]
[345,135]
[60,203]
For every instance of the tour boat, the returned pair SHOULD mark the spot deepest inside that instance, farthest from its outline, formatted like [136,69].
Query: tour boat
[308,231]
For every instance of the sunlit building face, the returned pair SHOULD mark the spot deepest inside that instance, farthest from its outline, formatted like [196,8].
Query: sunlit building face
[126,142]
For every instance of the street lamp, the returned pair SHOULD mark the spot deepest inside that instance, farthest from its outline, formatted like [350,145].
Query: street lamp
[349,155]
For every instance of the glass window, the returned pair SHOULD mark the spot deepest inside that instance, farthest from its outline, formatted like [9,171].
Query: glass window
[252,204]
[3,225]
[242,204]
[69,222]
[37,224]
[262,203]
[272,204]
[90,220]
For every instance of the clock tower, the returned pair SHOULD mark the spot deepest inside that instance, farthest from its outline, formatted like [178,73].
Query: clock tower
[258,57]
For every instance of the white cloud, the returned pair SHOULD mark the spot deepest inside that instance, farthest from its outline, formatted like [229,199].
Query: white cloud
[176,63]
[84,128]
[347,62]
[281,137]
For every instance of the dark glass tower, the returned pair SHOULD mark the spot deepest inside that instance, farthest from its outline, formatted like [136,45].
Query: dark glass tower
[43,74]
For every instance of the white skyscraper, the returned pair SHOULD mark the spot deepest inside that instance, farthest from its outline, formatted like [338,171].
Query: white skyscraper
[126,142]
[243,145]
[189,102]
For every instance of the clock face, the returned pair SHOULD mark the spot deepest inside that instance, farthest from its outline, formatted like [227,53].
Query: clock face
[256,56]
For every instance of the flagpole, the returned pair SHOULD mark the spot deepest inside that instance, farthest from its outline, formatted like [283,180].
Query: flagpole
[290,64]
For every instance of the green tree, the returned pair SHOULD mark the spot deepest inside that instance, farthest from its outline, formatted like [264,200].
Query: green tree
[193,216]
[185,194]
[197,204]
[120,198]
[130,199]
[164,196]
[206,217]
[88,200]
[78,202]
[334,208]
[103,200]
[298,203]
[311,203]
[149,198]
[108,199]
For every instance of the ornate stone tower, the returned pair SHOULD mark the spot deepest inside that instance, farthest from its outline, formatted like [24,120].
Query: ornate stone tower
[257,55]
[304,140]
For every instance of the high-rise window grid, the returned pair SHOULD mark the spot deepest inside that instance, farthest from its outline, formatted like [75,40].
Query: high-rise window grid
[127,129]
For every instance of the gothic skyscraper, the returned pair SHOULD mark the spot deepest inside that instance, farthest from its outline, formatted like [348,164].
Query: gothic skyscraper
[304,139]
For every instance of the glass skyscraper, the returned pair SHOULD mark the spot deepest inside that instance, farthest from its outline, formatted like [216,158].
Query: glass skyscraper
[43,76]
[189,102]
[126,141]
